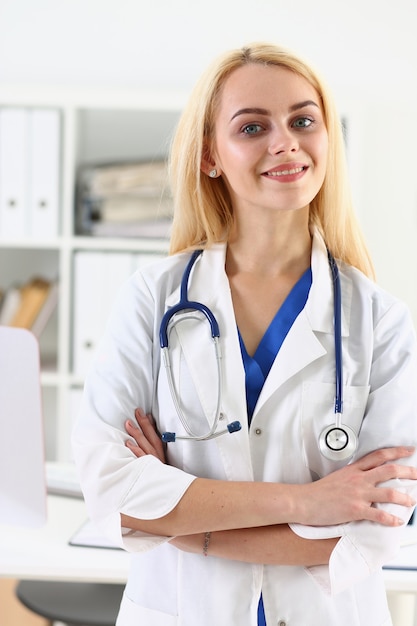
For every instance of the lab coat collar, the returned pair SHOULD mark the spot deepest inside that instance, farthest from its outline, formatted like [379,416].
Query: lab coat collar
[319,307]
[207,276]
[209,284]
[302,345]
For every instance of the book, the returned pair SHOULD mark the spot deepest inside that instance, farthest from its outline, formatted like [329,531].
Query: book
[46,310]
[10,304]
[32,298]
[30,305]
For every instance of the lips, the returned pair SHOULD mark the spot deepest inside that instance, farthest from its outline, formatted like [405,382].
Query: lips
[287,172]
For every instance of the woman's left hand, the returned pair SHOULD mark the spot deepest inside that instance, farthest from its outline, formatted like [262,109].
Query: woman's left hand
[146,437]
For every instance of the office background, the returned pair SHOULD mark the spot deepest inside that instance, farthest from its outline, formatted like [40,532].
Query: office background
[366,49]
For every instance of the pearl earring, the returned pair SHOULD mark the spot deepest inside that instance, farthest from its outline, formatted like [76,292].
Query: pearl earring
[213,173]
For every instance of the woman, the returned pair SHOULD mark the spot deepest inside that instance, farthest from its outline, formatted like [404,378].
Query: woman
[260,186]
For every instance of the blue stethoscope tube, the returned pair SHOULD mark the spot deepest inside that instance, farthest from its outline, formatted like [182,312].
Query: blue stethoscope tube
[336,442]
[185,304]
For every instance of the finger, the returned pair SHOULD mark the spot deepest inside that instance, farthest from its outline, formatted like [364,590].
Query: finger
[378,457]
[139,437]
[137,451]
[392,471]
[380,516]
[133,430]
[147,426]
[392,496]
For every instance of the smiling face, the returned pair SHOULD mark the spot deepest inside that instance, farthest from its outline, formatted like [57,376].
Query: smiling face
[270,140]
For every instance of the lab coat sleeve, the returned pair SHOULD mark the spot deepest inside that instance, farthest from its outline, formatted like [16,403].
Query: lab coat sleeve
[122,377]
[390,420]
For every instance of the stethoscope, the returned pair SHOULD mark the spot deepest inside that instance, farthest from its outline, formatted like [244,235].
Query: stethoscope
[336,442]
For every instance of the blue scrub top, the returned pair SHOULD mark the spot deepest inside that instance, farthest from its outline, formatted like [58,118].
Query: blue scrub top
[257,367]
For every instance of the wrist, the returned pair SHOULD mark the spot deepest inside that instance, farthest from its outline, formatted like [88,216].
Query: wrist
[207,537]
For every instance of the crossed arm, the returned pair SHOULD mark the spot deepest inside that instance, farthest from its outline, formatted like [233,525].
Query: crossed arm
[249,521]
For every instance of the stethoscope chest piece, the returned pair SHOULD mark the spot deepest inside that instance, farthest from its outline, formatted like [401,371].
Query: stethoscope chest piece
[338,442]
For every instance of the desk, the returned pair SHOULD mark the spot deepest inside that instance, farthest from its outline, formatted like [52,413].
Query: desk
[44,553]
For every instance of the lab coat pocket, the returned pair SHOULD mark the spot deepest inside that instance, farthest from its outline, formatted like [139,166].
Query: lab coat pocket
[318,413]
[132,614]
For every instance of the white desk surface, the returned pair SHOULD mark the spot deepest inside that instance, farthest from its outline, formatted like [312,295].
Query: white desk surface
[44,553]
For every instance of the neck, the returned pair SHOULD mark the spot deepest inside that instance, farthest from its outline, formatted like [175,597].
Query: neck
[281,248]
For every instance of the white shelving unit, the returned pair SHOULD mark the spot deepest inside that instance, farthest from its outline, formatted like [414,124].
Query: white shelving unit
[96,126]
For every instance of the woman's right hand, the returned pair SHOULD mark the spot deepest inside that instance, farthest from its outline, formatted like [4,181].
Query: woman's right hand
[145,437]
[350,493]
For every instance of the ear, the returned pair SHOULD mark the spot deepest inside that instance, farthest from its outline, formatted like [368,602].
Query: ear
[208,163]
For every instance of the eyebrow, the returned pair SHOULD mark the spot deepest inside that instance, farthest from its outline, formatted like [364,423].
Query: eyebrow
[259,111]
[301,105]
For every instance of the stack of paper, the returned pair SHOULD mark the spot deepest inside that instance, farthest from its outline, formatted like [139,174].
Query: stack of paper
[127,200]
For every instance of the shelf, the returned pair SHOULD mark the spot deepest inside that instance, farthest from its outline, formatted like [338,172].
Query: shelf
[50,378]
[30,244]
[119,244]
[97,126]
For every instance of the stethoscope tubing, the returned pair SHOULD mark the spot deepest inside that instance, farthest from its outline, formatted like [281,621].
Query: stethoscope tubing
[167,325]
[338,406]
[186,304]
[336,442]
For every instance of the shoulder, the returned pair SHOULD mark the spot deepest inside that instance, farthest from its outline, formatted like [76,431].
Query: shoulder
[368,295]
[163,270]
[157,279]
[165,274]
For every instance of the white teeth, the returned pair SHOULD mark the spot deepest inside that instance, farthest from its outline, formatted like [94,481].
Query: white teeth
[295,170]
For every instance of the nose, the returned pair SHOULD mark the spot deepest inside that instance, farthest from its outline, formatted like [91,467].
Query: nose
[282,141]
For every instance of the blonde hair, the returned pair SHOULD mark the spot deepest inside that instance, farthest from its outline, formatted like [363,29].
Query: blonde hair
[203,212]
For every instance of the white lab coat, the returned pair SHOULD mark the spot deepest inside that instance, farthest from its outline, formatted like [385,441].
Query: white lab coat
[168,587]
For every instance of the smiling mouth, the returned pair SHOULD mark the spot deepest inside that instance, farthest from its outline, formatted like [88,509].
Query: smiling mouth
[289,172]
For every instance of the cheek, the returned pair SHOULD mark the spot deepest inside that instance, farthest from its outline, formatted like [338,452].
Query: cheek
[227,156]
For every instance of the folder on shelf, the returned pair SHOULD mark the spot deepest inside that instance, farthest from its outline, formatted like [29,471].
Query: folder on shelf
[97,279]
[29,172]
[43,184]
[13,172]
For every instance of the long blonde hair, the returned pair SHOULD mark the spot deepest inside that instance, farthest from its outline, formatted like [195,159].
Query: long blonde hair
[203,212]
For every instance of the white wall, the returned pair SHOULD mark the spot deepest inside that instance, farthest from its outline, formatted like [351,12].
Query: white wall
[167,42]
[367,50]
